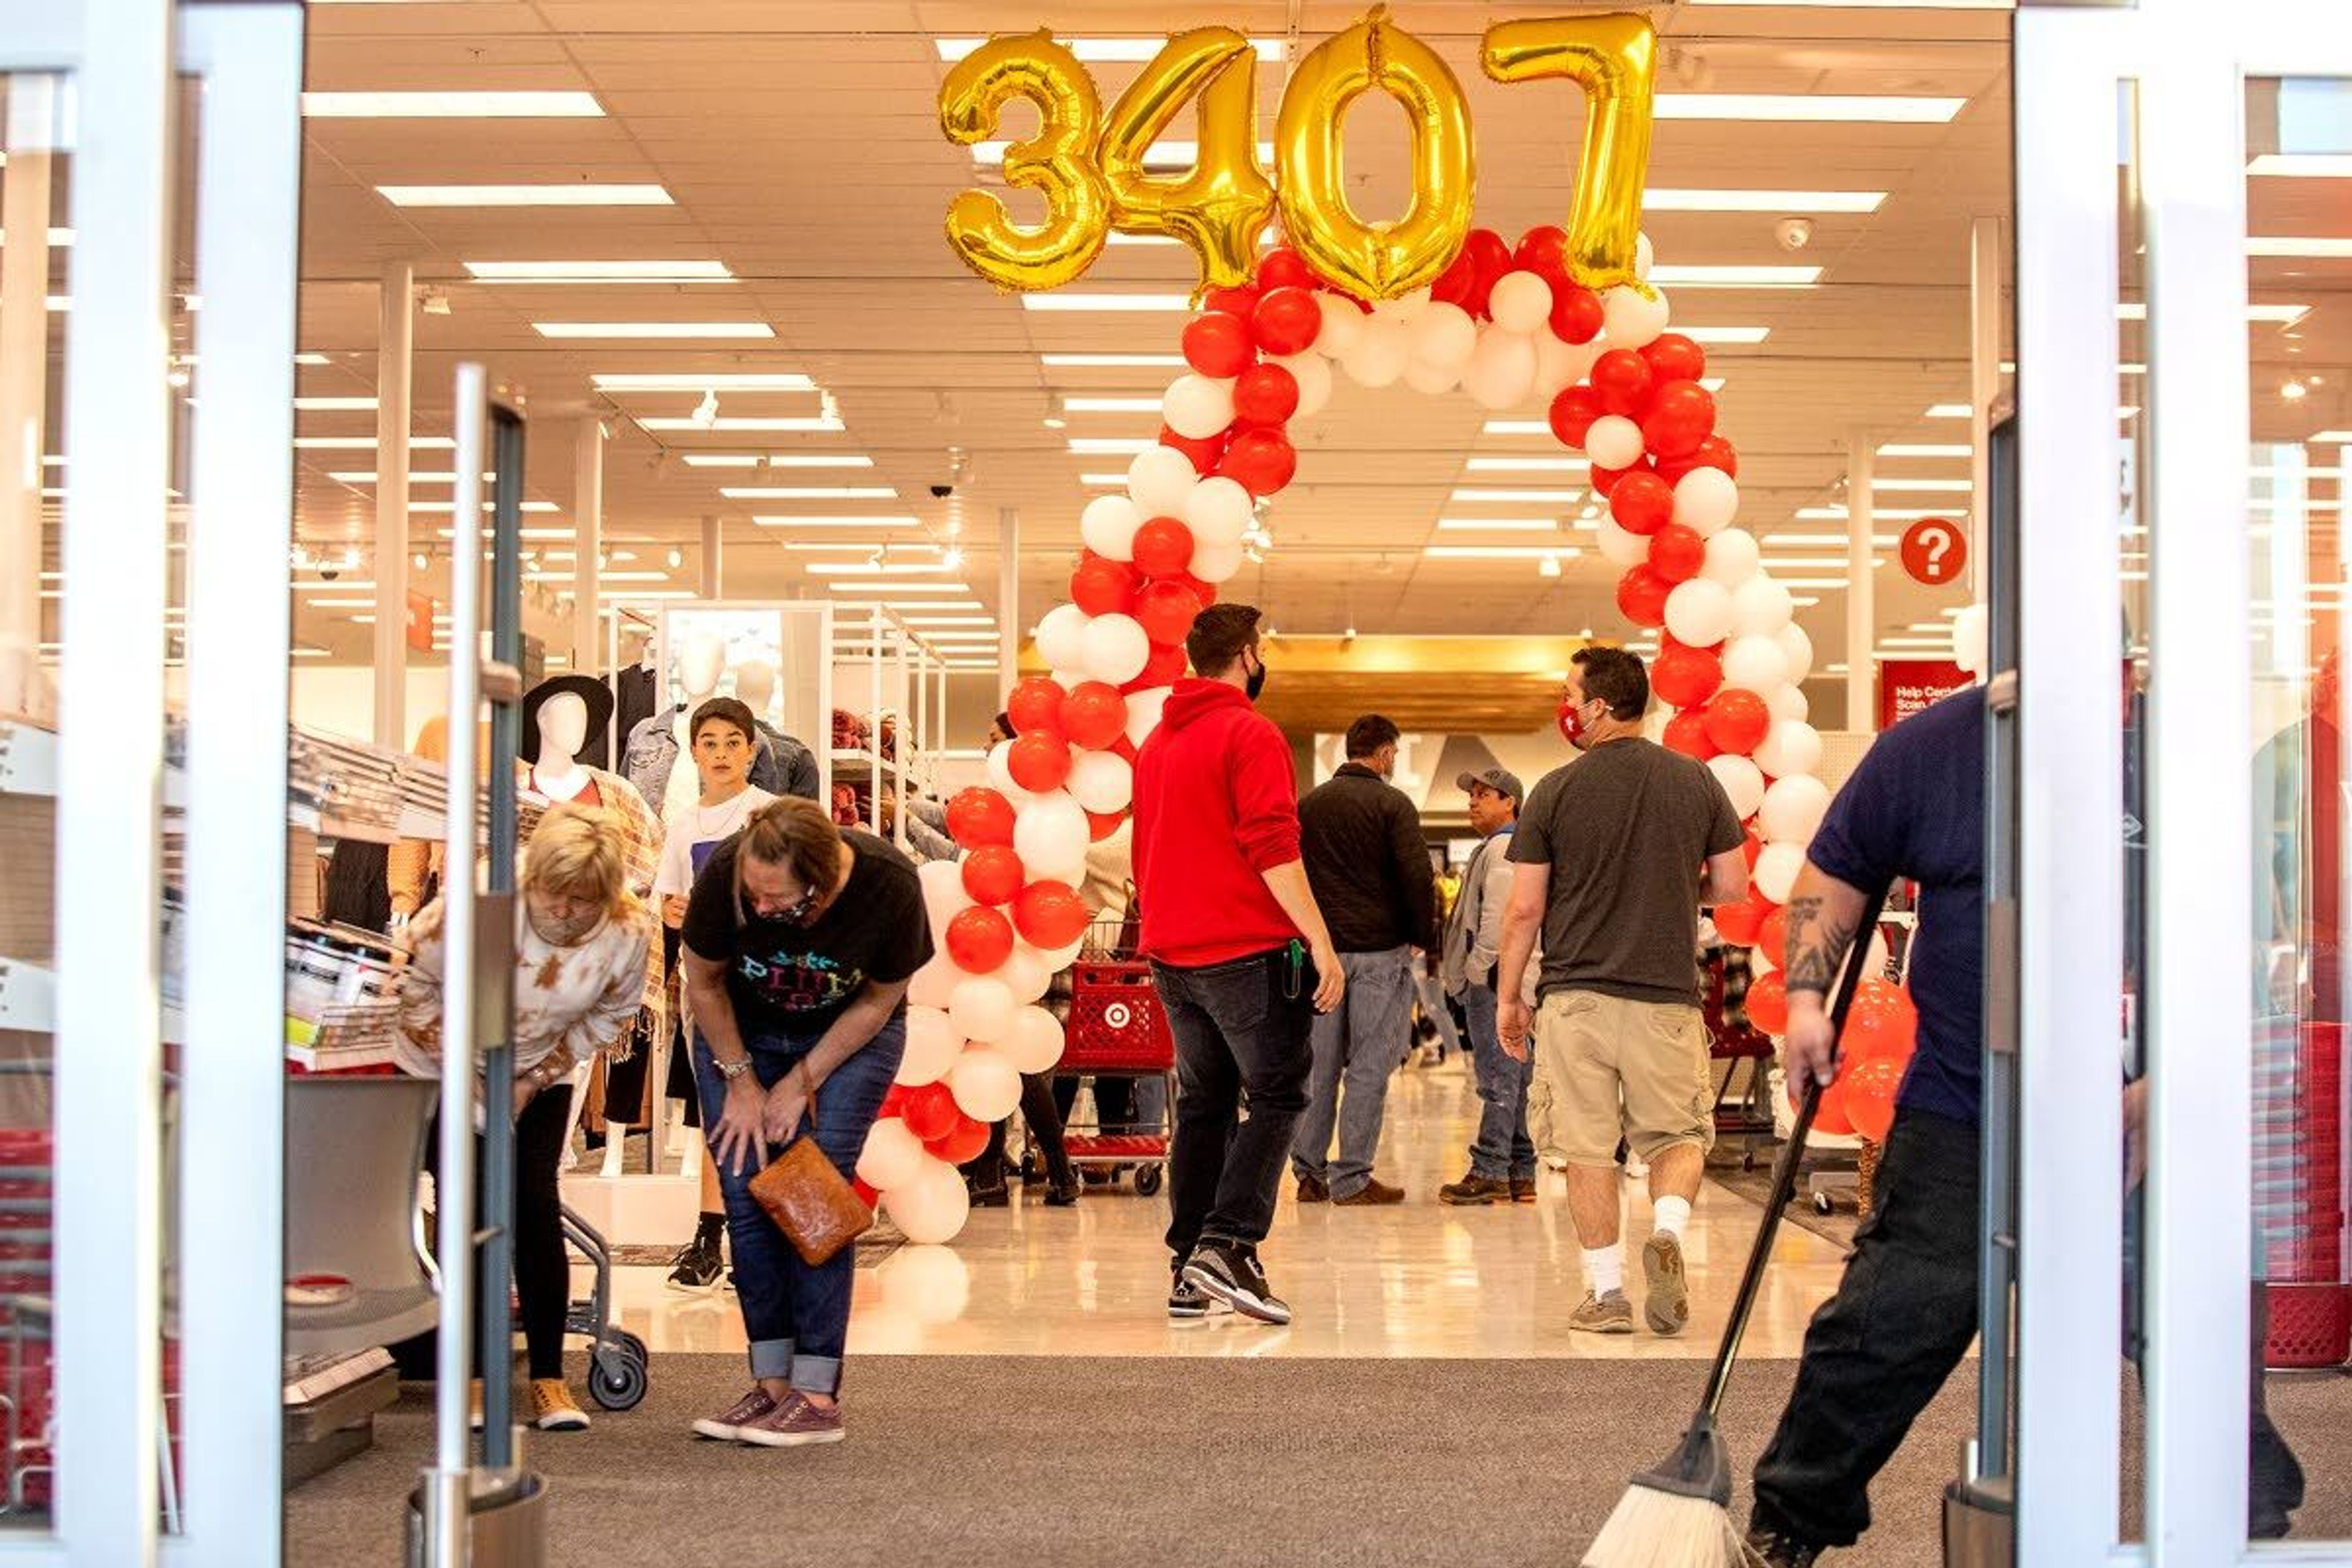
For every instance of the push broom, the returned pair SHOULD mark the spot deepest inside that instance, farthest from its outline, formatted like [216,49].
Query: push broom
[1679,1514]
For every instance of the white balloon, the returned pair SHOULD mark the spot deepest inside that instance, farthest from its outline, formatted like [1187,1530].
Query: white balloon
[1000,773]
[1444,337]
[1312,372]
[1643,253]
[1117,649]
[1558,366]
[1761,607]
[932,1047]
[1431,380]
[1102,782]
[1218,511]
[1143,709]
[1343,326]
[1051,836]
[1109,525]
[1777,869]
[1699,612]
[893,1157]
[1621,546]
[1069,679]
[1502,372]
[1381,356]
[1631,321]
[1198,407]
[1742,780]
[983,1008]
[943,894]
[1062,634]
[1791,747]
[1025,974]
[928,1284]
[1613,442]
[986,1086]
[1732,558]
[1159,479]
[933,1207]
[1971,645]
[1799,649]
[1761,960]
[1520,302]
[1405,308]
[1035,1042]
[934,985]
[1754,664]
[1705,499]
[1794,808]
[1216,563]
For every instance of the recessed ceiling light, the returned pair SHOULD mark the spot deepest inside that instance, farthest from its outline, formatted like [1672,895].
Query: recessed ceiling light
[818,424]
[690,381]
[653,329]
[1104,51]
[451,106]
[879,520]
[1112,362]
[1711,276]
[1802,106]
[1086,299]
[599,271]
[2302,165]
[1529,465]
[1501,551]
[555,194]
[1726,201]
[809,492]
[1499,524]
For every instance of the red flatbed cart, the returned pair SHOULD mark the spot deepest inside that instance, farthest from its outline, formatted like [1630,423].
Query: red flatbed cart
[1117,1029]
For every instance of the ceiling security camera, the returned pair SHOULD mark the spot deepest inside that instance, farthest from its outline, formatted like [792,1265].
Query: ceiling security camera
[941,492]
[1793,233]
[328,573]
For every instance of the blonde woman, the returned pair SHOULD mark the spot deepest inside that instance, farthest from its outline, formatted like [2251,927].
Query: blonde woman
[581,944]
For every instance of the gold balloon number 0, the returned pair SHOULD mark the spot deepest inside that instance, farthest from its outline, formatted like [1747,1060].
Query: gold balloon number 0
[1092,169]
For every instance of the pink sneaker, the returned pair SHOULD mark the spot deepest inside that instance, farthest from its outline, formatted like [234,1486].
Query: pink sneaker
[728,1428]
[794,1423]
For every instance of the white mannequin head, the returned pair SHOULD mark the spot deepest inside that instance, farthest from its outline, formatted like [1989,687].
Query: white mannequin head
[755,685]
[563,731]
[700,660]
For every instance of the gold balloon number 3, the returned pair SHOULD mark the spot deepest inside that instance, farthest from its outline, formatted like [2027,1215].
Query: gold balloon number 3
[1092,169]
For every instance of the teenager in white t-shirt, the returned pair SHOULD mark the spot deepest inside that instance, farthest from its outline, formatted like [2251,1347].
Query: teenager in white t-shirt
[725,743]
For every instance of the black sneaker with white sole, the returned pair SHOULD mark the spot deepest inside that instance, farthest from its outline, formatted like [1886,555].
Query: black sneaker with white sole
[1225,1271]
[699,1264]
[1188,1304]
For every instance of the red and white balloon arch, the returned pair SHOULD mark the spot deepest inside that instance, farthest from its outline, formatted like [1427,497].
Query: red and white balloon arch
[1507,326]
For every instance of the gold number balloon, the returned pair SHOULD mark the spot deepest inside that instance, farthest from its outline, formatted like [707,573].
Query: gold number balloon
[1058,161]
[1375,261]
[1220,208]
[1615,59]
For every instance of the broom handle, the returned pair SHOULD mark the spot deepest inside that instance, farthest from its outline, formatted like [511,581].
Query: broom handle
[1784,1174]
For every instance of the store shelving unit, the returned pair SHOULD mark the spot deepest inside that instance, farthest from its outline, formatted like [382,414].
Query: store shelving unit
[883,666]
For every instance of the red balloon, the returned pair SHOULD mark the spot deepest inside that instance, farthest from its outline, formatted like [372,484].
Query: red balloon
[893,1100]
[1622,379]
[1218,344]
[1714,452]
[992,874]
[980,816]
[965,1142]
[1205,591]
[1266,394]
[1881,1024]
[1283,267]
[1668,643]
[866,1194]
[1286,320]
[1680,417]
[1125,750]
[1039,760]
[1687,734]
[1643,503]
[1261,462]
[1753,850]
[1641,597]
[979,939]
[1831,1116]
[1166,611]
[1205,452]
[1163,547]
[1050,914]
[1101,587]
[1102,824]
[1576,313]
[1037,702]
[1167,668]
[1674,357]
[1493,258]
[1604,480]
[1458,284]
[1772,936]
[1768,998]
[1543,250]
[1737,923]
[1094,713]
[1686,677]
[1573,413]
[930,1110]
[1676,553]
[1238,300]
[1736,721]
[1869,1089]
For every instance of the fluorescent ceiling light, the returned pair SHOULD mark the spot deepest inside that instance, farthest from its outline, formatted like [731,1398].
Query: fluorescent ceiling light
[638,595]
[818,460]
[1501,553]
[1474,497]
[653,329]
[1520,428]
[688,381]
[882,568]
[1112,362]
[1948,487]
[2330,435]
[1529,465]
[856,585]
[335,406]
[1878,513]
[2284,315]
[1499,524]
[1824,541]
[879,520]
[1722,201]
[2302,165]
[600,272]
[1736,277]
[1112,404]
[451,106]
[1890,110]
[1949,411]
[951,620]
[1090,299]
[722,460]
[858,547]
[809,492]
[1919,449]
[556,194]
[341,603]
[1111,446]
[927,604]
[1802,563]
[1105,51]
[818,424]
[312,359]
[2281,245]
[487,505]
[1102,478]
[1723,334]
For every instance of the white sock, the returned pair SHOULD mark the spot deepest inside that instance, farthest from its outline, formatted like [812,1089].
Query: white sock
[1604,1269]
[1671,1216]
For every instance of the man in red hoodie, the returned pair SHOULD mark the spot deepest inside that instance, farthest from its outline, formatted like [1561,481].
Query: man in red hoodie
[1240,956]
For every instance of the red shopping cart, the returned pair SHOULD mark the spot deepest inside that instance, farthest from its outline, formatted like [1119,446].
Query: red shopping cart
[1116,1029]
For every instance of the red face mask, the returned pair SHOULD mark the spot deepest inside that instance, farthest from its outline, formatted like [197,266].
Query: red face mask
[1572,722]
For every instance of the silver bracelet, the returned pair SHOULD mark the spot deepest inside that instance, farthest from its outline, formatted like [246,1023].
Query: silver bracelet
[732,1070]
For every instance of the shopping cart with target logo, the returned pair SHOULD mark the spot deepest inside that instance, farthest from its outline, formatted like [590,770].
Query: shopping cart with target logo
[1116,1030]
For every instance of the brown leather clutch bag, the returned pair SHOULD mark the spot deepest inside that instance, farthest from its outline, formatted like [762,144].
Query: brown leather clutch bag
[811,1202]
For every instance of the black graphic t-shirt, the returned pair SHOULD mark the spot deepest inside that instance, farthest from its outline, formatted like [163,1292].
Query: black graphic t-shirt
[780,973]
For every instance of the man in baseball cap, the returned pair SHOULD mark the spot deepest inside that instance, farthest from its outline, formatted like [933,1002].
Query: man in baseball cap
[1503,1156]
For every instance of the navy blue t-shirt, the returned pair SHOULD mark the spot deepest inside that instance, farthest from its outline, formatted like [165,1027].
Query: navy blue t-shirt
[1915,809]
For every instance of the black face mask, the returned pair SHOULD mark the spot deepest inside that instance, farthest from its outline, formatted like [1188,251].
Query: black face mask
[1257,681]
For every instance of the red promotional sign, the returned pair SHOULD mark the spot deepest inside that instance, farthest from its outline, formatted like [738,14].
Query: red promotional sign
[1906,685]
[1935,551]
[420,621]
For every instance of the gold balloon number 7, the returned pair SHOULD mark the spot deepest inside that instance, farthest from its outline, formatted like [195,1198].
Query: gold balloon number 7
[1092,171]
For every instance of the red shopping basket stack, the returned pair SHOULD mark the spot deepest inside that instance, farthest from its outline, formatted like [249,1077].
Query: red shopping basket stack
[2299,1190]
[1116,1029]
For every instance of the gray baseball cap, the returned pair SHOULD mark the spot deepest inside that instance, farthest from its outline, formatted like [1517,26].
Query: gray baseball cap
[1502,780]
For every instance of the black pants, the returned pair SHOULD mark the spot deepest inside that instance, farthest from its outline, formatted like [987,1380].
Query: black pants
[1240,1028]
[1114,1102]
[1043,1116]
[543,1274]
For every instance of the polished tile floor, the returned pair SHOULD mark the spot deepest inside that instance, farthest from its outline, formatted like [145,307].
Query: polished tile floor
[1418,1279]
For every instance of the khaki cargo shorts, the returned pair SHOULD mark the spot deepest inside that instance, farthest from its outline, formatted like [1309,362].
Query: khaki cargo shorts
[1607,1068]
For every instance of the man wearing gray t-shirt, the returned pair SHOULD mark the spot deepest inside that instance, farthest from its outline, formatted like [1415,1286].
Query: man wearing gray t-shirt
[1614,855]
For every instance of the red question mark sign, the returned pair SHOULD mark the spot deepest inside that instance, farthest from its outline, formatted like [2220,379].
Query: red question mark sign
[1935,551]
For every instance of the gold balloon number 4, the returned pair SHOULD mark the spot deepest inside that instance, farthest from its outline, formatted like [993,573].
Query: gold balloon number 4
[1092,169]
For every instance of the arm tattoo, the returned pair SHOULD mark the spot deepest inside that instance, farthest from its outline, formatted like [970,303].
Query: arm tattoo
[1818,942]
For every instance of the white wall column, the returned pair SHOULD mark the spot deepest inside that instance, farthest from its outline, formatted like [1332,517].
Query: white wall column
[1008,599]
[588,541]
[395,362]
[1861,593]
[714,566]
[24,387]
[1987,309]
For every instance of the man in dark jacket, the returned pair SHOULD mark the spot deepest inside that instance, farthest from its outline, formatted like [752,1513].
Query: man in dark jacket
[1370,870]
